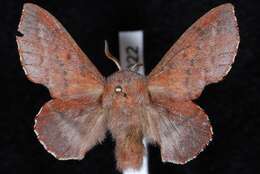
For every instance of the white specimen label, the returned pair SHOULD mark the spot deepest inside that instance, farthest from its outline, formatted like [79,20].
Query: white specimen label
[131,49]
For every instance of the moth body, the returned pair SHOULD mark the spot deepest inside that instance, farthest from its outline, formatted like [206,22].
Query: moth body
[124,98]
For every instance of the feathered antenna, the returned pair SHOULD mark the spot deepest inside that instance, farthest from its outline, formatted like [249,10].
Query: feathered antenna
[111,57]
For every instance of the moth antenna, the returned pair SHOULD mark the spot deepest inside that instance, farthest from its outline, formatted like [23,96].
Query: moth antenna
[132,68]
[111,57]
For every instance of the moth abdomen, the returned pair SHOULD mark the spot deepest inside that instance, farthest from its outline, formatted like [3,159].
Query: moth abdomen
[129,149]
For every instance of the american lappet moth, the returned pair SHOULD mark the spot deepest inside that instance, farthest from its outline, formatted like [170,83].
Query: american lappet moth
[158,107]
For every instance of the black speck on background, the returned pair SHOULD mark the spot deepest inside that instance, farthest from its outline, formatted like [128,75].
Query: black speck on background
[232,105]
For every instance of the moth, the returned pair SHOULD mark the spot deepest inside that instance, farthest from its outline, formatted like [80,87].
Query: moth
[158,107]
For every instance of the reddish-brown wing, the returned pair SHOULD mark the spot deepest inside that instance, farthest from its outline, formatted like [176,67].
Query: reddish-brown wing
[50,57]
[68,129]
[203,55]
[182,130]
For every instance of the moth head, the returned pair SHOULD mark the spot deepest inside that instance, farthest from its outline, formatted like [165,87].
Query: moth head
[125,87]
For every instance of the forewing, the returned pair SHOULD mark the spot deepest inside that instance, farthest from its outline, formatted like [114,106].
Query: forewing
[202,55]
[50,56]
[68,129]
[181,129]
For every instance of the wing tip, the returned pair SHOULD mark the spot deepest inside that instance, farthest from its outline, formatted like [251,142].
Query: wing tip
[226,6]
[229,8]
[29,6]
